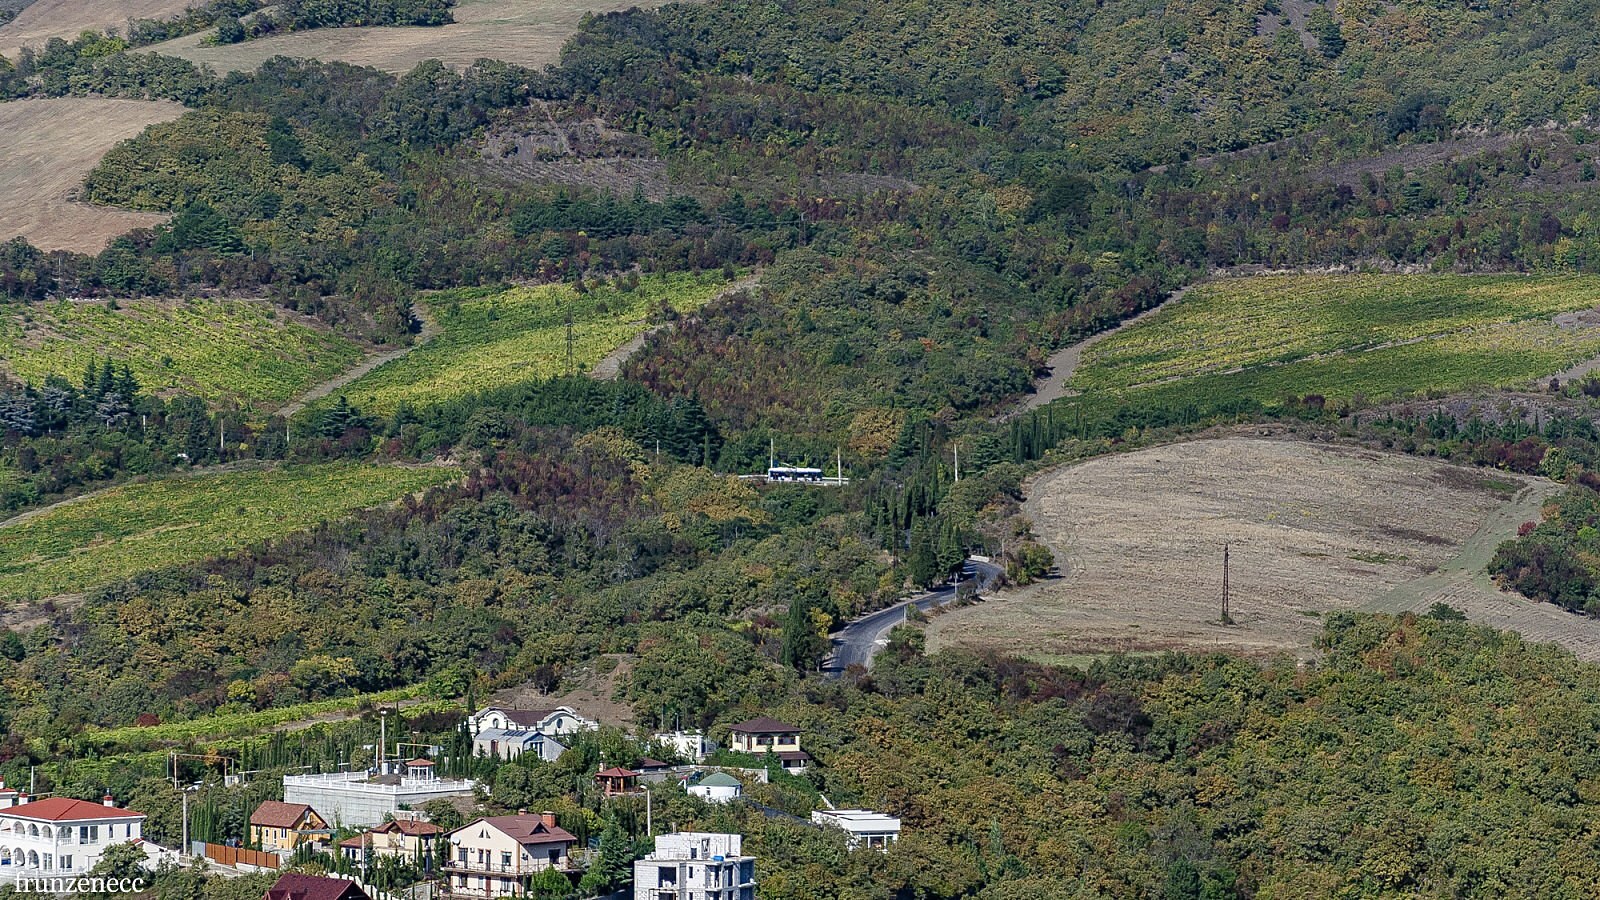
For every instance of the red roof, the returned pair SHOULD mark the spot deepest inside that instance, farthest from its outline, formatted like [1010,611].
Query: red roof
[765,725]
[419,761]
[525,829]
[64,809]
[409,827]
[294,886]
[359,840]
[617,772]
[648,763]
[277,814]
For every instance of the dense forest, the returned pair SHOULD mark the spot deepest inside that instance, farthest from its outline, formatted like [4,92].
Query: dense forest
[936,196]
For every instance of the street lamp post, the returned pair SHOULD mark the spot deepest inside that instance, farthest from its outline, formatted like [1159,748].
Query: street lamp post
[183,849]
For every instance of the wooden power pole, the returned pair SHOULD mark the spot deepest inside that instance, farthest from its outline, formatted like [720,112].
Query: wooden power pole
[1227,618]
[572,365]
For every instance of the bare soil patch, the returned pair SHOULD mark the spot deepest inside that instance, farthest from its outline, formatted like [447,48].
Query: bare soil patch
[525,32]
[1312,529]
[591,691]
[45,19]
[46,149]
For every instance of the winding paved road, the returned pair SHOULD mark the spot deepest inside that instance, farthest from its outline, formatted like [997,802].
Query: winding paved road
[859,641]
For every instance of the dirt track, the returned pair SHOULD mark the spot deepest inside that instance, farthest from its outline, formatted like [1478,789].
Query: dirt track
[1065,361]
[610,367]
[1313,528]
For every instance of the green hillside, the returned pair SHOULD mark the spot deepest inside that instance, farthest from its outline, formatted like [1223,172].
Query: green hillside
[124,530]
[490,340]
[1342,336]
[221,350]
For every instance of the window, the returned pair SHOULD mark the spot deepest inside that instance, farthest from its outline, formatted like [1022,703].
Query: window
[505,860]
[463,854]
[66,861]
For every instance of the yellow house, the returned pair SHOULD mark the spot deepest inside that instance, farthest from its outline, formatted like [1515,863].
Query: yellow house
[276,826]
[763,735]
[405,838]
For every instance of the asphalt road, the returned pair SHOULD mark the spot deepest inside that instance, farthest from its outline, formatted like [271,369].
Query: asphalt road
[859,641]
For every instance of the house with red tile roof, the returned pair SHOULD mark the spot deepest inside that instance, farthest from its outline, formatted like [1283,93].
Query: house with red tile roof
[279,827]
[60,837]
[492,856]
[411,839]
[295,886]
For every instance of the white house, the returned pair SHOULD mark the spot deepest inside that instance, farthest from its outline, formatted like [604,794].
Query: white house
[512,743]
[491,857]
[60,837]
[695,865]
[691,745]
[553,722]
[873,830]
[718,787]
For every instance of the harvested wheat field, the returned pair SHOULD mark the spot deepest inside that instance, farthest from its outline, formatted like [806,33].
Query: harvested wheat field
[525,32]
[46,19]
[1312,529]
[46,149]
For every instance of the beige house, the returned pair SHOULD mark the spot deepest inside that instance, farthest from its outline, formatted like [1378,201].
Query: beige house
[763,735]
[492,856]
[279,827]
[406,838]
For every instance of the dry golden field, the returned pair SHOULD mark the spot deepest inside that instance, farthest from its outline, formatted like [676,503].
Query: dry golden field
[46,149]
[526,32]
[46,19]
[1313,529]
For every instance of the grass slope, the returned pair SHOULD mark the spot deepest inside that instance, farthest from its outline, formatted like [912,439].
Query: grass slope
[125,530]
[46,149]
[1340,336]
[492,340]
[216,349]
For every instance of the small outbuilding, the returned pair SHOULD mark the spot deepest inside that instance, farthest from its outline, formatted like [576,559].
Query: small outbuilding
[718,787]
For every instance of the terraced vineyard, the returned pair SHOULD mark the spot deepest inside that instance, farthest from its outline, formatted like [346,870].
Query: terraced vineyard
[491,340]
[1339,336]
[137,527]
[241,351]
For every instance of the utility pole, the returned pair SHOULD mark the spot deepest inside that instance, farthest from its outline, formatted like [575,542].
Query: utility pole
[572,367]
[1227,618]
[957,449]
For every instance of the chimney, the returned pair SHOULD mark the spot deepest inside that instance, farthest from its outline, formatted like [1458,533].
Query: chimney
[108,801]
[22,797]
[548,818]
